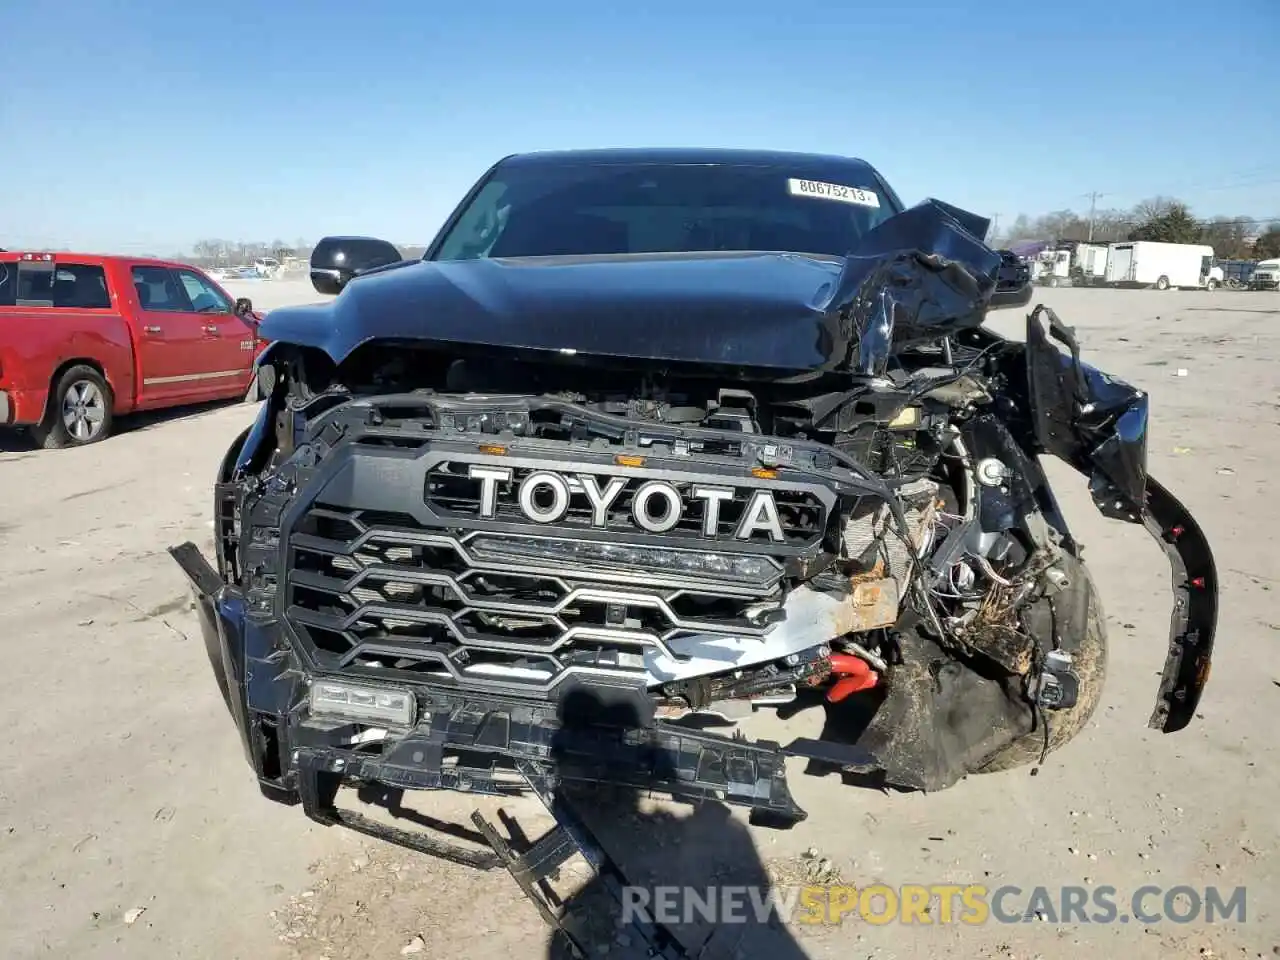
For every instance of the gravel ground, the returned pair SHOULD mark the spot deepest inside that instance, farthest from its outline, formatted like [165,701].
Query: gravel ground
[130,825]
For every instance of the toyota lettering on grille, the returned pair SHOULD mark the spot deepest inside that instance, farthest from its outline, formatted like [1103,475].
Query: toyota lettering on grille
[657,506]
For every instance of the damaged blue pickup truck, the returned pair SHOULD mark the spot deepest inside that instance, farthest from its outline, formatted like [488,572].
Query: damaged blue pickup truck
[650,440]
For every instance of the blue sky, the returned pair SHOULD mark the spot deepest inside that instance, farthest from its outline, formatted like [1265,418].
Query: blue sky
[149,125]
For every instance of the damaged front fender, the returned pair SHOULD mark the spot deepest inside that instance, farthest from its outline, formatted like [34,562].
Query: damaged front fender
[1098,424]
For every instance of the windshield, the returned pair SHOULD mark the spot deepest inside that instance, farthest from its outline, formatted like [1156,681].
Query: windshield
[582,209]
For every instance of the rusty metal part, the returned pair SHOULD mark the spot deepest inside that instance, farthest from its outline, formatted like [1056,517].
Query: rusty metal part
[875,573]
[870,604]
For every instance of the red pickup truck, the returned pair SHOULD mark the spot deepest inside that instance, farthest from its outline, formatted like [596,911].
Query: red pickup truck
[84,338]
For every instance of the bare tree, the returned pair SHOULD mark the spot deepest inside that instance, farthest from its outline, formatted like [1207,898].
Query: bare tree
[1175,225]
[1062,225]
[1110,226]
[1268,244]
[1153,209]
[206,252]
[1229,237]
[1018,231]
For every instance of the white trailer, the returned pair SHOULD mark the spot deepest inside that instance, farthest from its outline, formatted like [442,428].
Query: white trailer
[1145,263]
[1089,262]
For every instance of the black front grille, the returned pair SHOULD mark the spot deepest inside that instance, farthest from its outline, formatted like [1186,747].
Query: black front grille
[375,589]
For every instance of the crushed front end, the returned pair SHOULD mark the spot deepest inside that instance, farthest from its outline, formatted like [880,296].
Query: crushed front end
[476,592]
[428,592]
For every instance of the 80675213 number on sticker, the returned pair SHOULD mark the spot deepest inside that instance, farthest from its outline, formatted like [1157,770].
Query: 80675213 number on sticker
[833,191]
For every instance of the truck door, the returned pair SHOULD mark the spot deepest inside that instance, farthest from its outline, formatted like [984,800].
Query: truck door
[228,349]
[172,342]
[1120,270]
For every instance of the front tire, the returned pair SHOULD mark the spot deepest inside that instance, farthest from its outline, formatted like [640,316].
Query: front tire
[1162,283]
[79,411]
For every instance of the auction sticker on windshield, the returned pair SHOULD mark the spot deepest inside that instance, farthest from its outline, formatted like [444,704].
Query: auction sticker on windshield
[833,191]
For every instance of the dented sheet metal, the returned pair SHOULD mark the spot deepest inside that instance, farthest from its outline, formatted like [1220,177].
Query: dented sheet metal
[871,604]
[922,273]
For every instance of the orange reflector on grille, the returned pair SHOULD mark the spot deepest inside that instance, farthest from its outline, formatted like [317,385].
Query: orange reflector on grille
[493,449]
[627,460]
[762,473]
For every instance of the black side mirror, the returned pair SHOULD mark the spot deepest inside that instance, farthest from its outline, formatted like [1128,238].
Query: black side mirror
[335,261]
[243,307]
[1013,283]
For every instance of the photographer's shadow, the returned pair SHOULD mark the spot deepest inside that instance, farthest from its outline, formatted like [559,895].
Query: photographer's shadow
[693,868]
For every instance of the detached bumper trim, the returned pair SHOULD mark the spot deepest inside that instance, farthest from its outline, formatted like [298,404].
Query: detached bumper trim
[490,738]
[1194,621]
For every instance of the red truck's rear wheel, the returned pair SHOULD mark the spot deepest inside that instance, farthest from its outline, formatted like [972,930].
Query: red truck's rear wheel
[79,410]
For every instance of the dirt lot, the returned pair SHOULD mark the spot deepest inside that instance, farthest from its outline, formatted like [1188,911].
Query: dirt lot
[124,787]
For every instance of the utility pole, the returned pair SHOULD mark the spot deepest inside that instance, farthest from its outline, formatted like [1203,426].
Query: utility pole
[995,227]
[1093,203]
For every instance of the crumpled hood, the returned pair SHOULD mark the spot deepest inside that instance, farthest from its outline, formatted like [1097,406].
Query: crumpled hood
[917,273]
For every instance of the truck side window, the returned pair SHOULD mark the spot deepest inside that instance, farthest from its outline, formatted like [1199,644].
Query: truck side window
[157,289]
[8,284]
[79,286]
[69,286]
[35,284]
[204,297]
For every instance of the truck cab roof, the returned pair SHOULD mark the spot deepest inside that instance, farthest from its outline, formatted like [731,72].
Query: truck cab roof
[695,155]
[89,259]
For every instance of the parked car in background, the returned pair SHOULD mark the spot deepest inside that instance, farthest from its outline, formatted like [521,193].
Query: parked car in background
[85,338]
